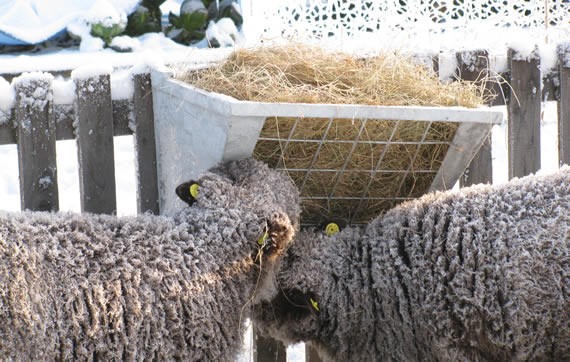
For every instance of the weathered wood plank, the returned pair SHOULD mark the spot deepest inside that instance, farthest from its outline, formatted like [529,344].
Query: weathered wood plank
[36,143]
[524,115]
[311,354]
[64,118]
[122,117]
[94,120]
[564,106]
[7,133]
[474,66]
[480,170]
[267,349]
[145,145]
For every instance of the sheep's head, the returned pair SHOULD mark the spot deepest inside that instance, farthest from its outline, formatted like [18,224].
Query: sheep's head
[308,282]
[266,198]
[246,184]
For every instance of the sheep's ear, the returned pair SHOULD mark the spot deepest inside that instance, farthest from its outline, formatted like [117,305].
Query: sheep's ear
[331,227]
[188,192]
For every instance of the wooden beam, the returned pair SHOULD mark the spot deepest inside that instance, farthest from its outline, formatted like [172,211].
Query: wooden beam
[145,145]
[94,120]
[474,66]
[524,114]
[36,143]
[564,106]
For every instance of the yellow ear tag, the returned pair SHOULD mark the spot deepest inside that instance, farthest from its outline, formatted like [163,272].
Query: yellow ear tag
[315,304]
[194,190]
[331,229]
[263,237]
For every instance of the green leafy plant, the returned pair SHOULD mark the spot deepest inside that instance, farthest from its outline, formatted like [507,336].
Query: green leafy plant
[105,32]
[147,18]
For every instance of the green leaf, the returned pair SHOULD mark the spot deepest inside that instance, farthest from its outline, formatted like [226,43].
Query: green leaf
[143,21]
[174,20]
[107,33]
[193,21]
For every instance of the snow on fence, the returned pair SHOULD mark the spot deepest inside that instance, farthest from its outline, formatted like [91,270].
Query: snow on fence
[35,122]
[35,119]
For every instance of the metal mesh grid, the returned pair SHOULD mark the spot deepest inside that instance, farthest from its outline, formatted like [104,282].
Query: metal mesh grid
[354,169]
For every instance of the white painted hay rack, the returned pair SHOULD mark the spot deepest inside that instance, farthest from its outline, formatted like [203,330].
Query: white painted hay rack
[198,129]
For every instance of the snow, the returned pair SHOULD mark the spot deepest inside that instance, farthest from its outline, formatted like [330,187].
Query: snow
[125,43]
[91,71]
[122,85]
[151,48]
[7,96]
[224,31]
[43,19]
[63,90]
[41,94]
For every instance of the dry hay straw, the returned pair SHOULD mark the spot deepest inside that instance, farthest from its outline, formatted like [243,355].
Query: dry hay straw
[303,74]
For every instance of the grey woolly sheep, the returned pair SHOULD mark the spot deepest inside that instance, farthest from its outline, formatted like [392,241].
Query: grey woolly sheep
[482,274]
[96,287]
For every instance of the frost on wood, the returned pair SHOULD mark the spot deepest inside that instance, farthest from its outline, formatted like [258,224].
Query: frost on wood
[564,52]
[82,287]
[478,274]
[33,89]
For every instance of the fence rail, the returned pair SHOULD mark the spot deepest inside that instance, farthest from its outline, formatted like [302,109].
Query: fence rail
[35,123]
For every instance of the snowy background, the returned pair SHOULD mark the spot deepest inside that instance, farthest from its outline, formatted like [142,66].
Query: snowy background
[155,49]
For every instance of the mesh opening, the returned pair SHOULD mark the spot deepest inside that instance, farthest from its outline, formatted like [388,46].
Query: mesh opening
[354,169]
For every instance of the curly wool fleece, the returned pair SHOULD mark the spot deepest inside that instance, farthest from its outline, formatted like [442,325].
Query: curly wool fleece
[95,287]
[479,274]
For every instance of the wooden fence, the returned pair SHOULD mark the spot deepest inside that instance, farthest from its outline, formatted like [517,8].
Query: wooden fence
[36,123]
[524,89]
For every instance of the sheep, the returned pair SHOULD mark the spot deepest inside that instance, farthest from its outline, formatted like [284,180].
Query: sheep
[477,274]
[99,287]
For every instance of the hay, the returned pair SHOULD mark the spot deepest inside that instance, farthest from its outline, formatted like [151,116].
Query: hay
[346,169]
[312,75]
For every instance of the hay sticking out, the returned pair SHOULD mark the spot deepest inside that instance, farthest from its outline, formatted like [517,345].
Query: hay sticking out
[303,74]
[348,169]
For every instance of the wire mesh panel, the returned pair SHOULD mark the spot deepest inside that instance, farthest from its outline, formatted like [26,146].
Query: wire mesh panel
[338,18]
[354,169]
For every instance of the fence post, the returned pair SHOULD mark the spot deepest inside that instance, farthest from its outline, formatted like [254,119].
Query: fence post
[36,142]
[564,106]
[524,114]
[147,183]
[94,122]
[474,66]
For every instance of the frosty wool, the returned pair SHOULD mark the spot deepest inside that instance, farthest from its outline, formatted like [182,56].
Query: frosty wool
[479,274]
[97,287]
